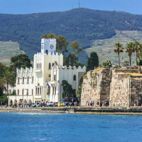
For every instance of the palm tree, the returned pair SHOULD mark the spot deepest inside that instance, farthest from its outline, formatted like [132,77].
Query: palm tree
[118,49]
[130,50]
[137,50]
[140,53]
[75,47]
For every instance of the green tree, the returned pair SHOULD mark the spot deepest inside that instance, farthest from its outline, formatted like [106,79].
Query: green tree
[3,100]
[107,64]
[20,61]
[62,42]
[2,81]
[72,58]
[93,61]
[137,50]
[9,78]
[75,47]
[68,92]
[130,50]
[118,49]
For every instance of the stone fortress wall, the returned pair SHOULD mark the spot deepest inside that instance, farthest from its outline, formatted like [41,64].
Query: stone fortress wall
[116,88]
[96,88]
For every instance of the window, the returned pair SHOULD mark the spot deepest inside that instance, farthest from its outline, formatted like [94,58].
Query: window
[27,92]
[18,81]
[46,51]
[55,77]
[37,90]
[74,77]
[38,65]
[40,90]
[32,91]
[23,80]
[49,66]
[48,90]
[27,80]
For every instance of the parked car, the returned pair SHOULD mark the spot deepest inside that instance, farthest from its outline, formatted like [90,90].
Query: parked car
[70,101]
[36,105]
[50,104]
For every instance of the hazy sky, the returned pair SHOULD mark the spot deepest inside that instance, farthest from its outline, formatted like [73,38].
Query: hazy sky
[34,6]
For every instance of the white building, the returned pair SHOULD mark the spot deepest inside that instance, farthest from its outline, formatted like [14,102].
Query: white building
[43,82]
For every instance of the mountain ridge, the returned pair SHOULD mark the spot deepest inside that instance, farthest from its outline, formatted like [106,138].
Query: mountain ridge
[82,24]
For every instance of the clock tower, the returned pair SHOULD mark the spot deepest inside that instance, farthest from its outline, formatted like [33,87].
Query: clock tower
[48,45]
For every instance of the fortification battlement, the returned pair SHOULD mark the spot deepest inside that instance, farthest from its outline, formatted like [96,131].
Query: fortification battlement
[24,72]
[135,69]
[71,68]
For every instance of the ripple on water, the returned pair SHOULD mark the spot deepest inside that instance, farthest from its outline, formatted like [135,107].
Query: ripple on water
[29,127]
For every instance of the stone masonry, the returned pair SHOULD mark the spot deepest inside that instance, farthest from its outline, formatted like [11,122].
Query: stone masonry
[96,87]
[118,88]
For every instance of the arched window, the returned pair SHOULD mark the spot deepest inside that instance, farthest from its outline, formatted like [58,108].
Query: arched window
[49,66]
[52,64]
[74,77]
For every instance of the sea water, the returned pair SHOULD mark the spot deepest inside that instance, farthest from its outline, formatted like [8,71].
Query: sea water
[32,127]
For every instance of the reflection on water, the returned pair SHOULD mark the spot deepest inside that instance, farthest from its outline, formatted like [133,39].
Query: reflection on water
[41,127]
[35,113]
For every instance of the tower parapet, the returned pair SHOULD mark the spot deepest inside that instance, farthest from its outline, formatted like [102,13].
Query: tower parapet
[48,45]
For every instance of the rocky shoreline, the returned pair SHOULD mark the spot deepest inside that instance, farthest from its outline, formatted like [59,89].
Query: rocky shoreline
[75,110]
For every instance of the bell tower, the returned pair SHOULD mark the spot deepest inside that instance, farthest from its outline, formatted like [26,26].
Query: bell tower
[48,45]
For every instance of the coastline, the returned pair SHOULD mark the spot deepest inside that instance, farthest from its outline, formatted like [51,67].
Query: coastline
[74,110]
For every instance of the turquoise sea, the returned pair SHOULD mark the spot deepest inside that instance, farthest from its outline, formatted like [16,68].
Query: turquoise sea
[16,127]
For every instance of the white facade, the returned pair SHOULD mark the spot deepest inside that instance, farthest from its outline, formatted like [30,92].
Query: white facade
[59,73]
[43,82]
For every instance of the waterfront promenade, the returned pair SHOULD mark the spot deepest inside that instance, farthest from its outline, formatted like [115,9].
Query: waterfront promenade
[80,110]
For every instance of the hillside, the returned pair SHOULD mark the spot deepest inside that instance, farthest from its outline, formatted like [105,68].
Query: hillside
[7,50]
[85,25]
[105,47]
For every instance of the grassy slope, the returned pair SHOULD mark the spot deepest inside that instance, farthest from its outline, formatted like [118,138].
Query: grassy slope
[7,50]
[105,47]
